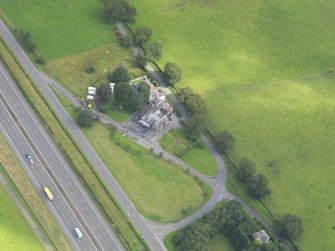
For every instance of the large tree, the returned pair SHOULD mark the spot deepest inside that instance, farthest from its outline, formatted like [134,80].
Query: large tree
[120,74]
[142,35]
[140,96]
[245,169]
[291,226]
[119,10]
[85,118]
[192,129]
[122,92]
[258,186]
[194,104]
[154,51]
[224,141]
[172,73]
[104,92]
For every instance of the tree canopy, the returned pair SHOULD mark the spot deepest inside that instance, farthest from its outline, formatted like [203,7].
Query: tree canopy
[172,73]
[85,118]
[104,92]
[119,10]
[224,141]
[142,35]
[122,93]
[246,169]
[119,75]
[291,226]
[154,51]
[258,186]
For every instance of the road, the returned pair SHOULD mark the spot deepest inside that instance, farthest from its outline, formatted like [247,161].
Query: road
[42,82]
[72,206]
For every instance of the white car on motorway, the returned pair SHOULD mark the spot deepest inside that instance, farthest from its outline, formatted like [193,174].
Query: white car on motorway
[78,233]
[30,159]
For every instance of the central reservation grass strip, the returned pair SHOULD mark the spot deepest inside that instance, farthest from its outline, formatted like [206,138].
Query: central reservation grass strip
[110,208]
[197,156]
[160,190]
[29,197]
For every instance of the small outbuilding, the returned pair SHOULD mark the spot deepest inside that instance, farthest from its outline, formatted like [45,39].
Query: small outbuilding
[91,88]
[90,97]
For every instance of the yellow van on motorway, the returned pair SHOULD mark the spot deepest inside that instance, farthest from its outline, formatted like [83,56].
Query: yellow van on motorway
[48,193]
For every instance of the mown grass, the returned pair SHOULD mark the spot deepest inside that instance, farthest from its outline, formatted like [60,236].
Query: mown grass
[70,71]
[114,112]
[160,190]
[117,218]
[61,28]
[30,199]
[15,232]
[234,53]
[220,243]
[197,156]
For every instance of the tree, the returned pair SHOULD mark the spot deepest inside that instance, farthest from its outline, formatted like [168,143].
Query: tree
[85,118]
[119,10]
[192,129]
[142,35]
[245,169]
[172,73]
[27,41]
[154,51]
[122,93]
[258,186]
[141,60]
[194,104]
[140,96]
[104,92]
[224,141]
[291,226]
[120,74]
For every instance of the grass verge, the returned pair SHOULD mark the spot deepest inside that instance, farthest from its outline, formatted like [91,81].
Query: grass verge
[197,156]
[84,171]
[29,197]
[160,190]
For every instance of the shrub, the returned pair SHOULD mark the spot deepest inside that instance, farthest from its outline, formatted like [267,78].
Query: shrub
[85,118]
[40,60]
[90,69]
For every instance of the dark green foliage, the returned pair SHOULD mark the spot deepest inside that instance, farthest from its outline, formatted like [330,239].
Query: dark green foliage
[90,69]
[104,92]
[194,104]
[119,10]
[140,96]
[122,93]
[154,51]
[124,41]
[258,186]
[172,73]
[85,118]
[144,89]
[290,226]
[141,60]
[192,130]
[40,60]
[224,141]
[245,169]
[120,74]
[27,41]
[142,35]
[229,218]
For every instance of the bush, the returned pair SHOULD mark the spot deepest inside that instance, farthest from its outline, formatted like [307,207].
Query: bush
[90,69]
[85,118]
[40,60]
[119,75]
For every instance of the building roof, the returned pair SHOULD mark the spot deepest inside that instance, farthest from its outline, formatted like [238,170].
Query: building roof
[262,236]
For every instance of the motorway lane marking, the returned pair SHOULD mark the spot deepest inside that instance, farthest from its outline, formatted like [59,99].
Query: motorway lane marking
[42,157]
[36,183]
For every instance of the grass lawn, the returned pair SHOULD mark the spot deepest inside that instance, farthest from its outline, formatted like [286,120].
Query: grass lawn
[220,243]
[199,158]
[15,232]
[60,28]
[247,49]
[114,112]
[70,71]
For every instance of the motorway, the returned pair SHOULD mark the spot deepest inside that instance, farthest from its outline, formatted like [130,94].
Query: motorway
[72,206]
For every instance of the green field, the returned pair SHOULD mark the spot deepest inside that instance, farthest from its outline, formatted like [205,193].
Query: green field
[246,59]
[60,28]
[15,233]
[199,157]
[160,190]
